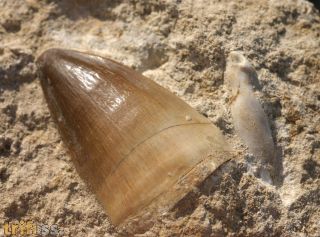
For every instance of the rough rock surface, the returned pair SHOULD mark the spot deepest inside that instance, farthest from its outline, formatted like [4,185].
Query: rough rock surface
[183,46]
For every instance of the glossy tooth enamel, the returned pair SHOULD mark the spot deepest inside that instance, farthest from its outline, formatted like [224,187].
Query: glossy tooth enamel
[137,145]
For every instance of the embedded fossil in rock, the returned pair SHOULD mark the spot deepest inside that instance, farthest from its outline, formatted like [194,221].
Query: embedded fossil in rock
[139,147]
[249,119]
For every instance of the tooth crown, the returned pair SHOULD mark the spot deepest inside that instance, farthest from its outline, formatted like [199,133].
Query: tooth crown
[129,137]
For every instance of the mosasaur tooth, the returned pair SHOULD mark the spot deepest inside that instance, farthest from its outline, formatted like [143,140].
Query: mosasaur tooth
[249,119]
[139,147]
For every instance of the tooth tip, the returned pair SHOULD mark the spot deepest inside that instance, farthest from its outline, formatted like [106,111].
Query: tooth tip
[44,57]
[48,55]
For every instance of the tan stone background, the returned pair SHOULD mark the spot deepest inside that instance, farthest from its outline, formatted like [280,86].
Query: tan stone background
[183,46]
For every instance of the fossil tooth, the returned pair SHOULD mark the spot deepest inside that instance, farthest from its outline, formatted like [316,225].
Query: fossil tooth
[139,147]
[249,119]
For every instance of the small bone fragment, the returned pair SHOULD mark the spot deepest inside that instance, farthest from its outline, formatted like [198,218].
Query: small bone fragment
[250,121]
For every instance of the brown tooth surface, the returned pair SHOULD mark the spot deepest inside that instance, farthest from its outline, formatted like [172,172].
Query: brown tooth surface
[130,139]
